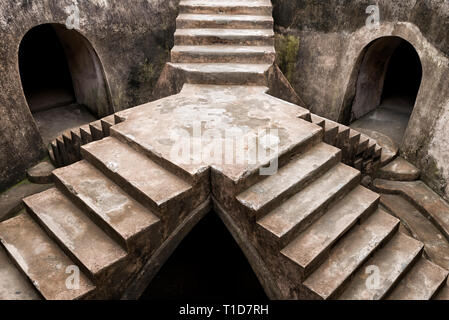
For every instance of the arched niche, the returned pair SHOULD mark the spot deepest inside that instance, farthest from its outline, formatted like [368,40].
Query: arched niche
[385,83]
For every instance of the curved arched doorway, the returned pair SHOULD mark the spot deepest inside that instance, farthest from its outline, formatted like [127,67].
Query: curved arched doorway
[388,76]
[62,79]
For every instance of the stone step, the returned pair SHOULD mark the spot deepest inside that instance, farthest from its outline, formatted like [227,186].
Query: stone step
[422,282]
[311,247]
[80,238]
[139,176]
[41,260]
[222,21]
[13,284]
[239,37]
[290,179]
[96,130]
[285,222]
[41,173]
[443,293]
[250,7]
[436,246]
[389,264]
[350,253]
[86,135]
[123,218]
[224,73]
[422,197]
[222,54]
[399,170]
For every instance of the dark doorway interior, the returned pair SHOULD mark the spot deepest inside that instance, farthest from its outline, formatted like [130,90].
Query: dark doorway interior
[48,83]
[207,265]
[404,74]
[44,70]
[387,88]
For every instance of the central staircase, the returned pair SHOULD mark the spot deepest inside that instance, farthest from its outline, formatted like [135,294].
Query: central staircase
[224,42]
[310,231]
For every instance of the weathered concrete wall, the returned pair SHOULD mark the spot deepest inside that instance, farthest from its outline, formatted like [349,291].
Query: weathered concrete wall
[332,36]
[132,42]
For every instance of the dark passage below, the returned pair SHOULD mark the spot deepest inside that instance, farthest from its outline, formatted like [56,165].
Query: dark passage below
[207,265]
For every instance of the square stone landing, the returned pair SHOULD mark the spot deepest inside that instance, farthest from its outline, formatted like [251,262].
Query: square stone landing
[201,116]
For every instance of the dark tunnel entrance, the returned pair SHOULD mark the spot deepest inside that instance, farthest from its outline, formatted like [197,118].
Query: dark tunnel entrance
[62,79]
[387,86]
[44,70]
[208,266]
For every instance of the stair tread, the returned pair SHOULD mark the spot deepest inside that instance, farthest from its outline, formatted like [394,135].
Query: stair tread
[223,49]
[223,17]
[423,197]
[124,214]
[399,170]
[229,3]
[225,33]
[392,261]
[421,282]
[157,184]
[85,240]
[435,245]
[323,233]
[13,284]
[290,213]
[350,253]
[297,171]
[223,67]
[41,259]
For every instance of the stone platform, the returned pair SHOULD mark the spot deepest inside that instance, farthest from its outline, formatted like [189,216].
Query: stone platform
[271,170]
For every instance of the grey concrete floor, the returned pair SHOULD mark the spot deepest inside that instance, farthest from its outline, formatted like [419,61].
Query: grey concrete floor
[54,122]
[390,118]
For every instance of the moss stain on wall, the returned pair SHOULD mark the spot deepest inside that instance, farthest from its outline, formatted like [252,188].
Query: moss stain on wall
[287,47]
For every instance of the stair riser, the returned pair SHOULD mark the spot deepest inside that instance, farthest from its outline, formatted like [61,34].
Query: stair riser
[122,183]
[161,161]
[129,244]
[300,185]
[314,264]
[17,259]
[194,57]
[60,243]
[92,215]
[187,40]
[380,245]
[222,24]
[167,212]
[22,272]
[318,212]
[284,159]
[225,78]
[402,275]
[257,11]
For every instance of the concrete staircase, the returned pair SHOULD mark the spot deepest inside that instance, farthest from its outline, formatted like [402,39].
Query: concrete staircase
[224,42]
[104,218]
[324,232]
[66,149]
[358,150]
[310,231]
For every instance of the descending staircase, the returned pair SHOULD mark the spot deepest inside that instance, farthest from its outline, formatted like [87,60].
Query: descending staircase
[312,227]
[323,232]
[224,42]
[106,216]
